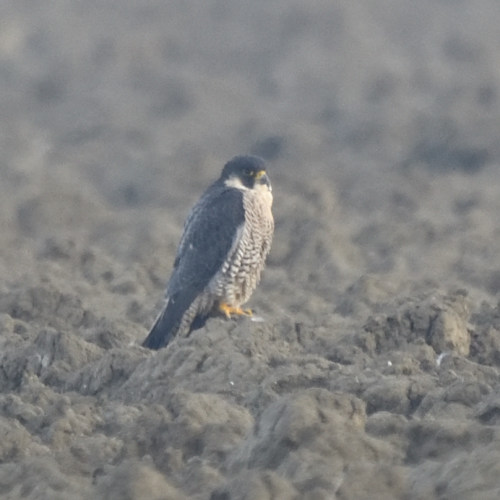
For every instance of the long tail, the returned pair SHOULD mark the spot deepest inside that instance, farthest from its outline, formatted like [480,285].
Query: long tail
[161,332]
[180,312]
[167,322]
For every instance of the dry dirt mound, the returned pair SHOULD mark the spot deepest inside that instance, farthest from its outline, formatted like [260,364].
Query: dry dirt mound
[375,374]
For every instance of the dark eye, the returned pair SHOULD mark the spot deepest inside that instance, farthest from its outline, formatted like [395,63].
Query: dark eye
[248,172]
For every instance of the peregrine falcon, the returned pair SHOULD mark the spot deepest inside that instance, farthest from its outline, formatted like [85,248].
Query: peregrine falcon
[222,251]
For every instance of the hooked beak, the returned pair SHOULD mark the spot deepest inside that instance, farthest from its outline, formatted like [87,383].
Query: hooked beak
[262,178]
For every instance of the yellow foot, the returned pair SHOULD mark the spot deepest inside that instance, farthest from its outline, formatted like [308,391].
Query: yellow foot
[228,310]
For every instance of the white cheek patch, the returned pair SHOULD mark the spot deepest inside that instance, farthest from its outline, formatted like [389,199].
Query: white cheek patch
[235,182]
[263,188]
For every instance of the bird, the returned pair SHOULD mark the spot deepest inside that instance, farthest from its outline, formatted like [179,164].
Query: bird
[221,254]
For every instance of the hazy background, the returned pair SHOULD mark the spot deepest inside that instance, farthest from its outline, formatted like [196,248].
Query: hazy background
[380,123]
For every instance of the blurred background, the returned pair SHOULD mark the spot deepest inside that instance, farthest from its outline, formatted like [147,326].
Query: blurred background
[380,124]
[379,120]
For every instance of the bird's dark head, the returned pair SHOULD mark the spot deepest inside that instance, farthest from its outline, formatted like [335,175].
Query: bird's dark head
[245,172]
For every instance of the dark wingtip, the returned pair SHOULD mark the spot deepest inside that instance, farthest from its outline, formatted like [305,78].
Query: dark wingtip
[154,341]
[159,335]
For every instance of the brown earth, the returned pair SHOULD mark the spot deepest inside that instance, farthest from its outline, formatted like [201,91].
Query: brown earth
[375,374]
